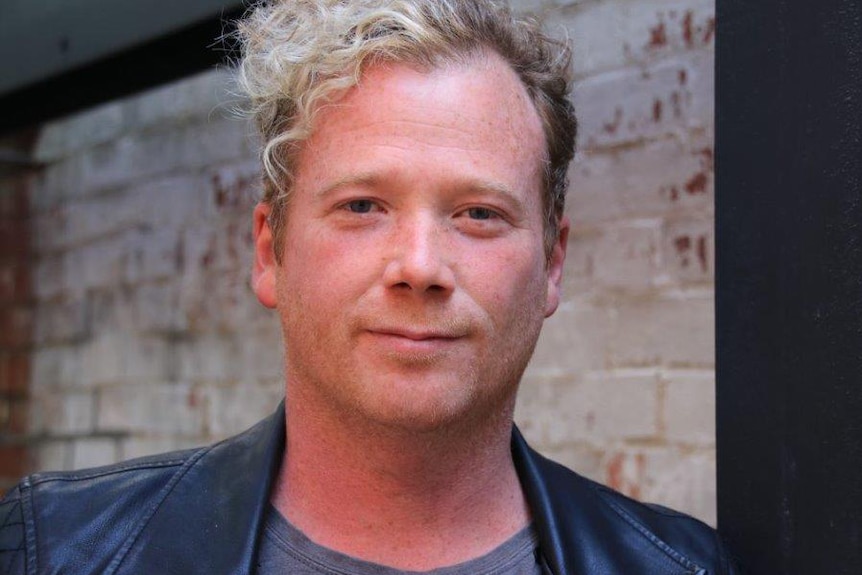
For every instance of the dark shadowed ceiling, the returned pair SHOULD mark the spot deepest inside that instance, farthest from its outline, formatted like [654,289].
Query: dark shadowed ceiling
[57,56]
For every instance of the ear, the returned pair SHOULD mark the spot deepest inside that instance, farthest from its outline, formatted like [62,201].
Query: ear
[555,268]
[263,272]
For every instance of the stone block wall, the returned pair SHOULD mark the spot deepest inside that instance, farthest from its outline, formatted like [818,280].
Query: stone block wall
[135,329]
[622,385]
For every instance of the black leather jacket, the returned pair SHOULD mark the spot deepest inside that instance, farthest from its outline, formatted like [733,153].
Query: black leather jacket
[200,511]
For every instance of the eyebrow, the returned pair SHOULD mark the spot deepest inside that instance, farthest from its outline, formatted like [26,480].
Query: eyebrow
[364,180]
[371,179]
[495,188]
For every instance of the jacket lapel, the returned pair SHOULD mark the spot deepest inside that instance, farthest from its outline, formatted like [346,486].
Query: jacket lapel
[210,521]
[580,533]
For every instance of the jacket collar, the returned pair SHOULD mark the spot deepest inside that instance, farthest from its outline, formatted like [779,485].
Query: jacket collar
[582,529]
[221,494]
[214,508]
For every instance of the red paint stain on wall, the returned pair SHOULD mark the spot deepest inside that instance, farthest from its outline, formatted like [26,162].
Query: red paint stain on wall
[688,29]
[682,244]
[625,473]
[656,110]
[657,36]
[613,126]
[689,249]
[702,256]
[696,184]
[233,194]
[709,30]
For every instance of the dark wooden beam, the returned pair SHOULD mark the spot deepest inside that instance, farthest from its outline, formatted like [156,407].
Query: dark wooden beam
[789,284]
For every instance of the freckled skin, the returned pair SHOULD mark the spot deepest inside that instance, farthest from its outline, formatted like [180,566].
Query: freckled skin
[414,280]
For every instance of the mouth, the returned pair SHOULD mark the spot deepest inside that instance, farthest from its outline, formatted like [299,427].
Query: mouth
[415,344]
[416,335]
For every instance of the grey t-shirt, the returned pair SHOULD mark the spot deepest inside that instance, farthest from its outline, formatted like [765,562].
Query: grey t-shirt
[285,550]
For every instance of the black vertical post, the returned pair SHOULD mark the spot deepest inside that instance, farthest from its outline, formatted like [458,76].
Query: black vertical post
[789,284]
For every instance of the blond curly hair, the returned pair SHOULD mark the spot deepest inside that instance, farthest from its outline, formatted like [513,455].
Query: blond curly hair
[300,54]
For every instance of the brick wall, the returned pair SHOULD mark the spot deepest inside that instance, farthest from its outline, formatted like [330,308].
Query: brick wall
[622,386]
[16,308]
[146,336]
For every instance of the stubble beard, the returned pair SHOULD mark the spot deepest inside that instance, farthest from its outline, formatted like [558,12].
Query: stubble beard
[480,395]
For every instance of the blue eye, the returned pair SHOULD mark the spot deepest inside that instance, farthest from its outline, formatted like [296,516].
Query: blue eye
[481,214]
[360,206]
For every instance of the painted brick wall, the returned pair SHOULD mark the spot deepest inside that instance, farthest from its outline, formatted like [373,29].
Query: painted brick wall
[145,336]
[16,309]
[622,385]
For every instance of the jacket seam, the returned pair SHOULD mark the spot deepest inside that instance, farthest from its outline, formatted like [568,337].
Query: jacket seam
[112,470]
[121,554]
[654,539]
[29,518]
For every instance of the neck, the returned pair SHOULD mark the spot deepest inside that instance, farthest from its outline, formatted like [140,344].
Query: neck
[413,500]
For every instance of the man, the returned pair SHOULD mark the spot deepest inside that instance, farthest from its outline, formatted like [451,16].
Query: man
[411,239]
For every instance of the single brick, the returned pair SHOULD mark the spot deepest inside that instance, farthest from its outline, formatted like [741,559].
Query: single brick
[173,409]
[187,100]
[676,330]
[689,407]
[234,189]
[94,452]
[52,454]
[13,416]
[49,276]
[14,239]
[124,357]
[61,321]
[62,138]
[139,446]
[581,457]
[576,338]
[604,407]
[152,255]
[64,413]
[15,369]
[156,308]
[622,257]
[16,326]
[57,367]
[234,408]
[16,285]
[14,460]
[682,480]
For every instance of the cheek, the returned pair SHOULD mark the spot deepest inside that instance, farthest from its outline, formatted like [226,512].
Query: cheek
[508,281]
[326,271]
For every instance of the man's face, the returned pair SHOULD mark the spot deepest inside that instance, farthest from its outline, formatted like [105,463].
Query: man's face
[414,281]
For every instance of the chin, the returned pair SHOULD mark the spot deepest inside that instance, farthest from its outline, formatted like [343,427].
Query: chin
[435,410]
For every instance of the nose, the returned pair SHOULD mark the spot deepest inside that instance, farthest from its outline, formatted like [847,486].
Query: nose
[420,261]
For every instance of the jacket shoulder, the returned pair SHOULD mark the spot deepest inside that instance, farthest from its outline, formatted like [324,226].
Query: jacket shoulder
[589,525]
[134,517]
[674,532]
[84,519]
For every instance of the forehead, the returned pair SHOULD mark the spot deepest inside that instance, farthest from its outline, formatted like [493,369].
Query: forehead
[477,106]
